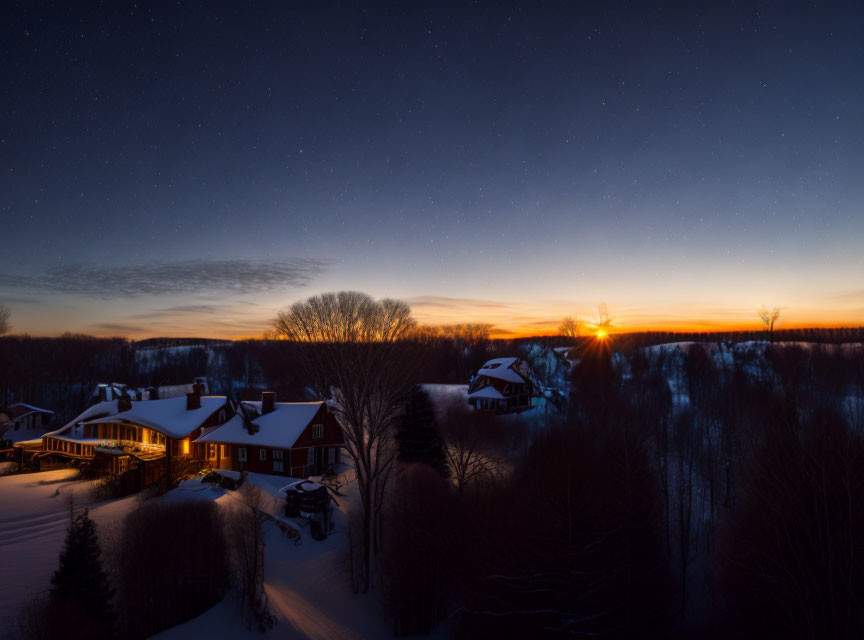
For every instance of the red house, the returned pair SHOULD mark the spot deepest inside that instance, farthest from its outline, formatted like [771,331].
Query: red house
[296,439]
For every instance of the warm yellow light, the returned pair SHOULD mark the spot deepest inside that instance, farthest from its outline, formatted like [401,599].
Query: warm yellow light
[602,334]
[186,447]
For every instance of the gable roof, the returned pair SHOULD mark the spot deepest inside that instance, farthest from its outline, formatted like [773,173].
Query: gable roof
[500,368]
[168,416]
[489,392]
[21,409]
[279,429]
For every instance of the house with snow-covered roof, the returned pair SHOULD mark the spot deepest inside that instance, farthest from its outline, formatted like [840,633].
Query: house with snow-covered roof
[21,421]
[501,385]
[297,439]
[139,437]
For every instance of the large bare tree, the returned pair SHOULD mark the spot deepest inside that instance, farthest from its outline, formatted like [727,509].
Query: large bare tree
[4,320]
[359,358]
[570,327]
[769,318]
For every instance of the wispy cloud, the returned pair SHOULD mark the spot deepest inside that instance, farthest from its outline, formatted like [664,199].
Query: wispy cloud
[177,277]
[117,328]
[186,309]
[456,303]
[12,300]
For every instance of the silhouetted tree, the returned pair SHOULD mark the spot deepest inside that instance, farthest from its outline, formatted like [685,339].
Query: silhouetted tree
[790,561]
[81,598]
[570,327]
[417,433]
[172,565]
[769,318]
[416,563]
[5,327]
[357,350]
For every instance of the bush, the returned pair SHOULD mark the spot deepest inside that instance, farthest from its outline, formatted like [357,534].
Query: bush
[173,565]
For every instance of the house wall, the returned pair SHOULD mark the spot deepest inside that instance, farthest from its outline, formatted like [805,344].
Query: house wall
[294,461]
[516,396]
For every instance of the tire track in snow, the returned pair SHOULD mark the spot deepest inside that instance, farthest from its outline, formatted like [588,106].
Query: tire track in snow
[305,617]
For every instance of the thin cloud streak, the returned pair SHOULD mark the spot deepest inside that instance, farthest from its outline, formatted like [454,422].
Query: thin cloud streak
[166,278]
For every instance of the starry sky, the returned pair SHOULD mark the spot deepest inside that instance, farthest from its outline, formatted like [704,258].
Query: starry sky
[190,168]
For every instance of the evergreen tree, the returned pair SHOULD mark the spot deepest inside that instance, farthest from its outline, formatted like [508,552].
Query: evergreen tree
[417,433]
[80,595]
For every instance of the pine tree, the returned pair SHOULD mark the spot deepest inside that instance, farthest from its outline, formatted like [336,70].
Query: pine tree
[80,587]
[417,433]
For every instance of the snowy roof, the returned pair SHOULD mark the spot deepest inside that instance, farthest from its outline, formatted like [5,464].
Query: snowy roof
[500,368]
[100,409]
[168,416]
[22,408]
[279,429]
[488,392]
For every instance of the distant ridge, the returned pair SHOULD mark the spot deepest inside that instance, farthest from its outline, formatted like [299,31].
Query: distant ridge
[159,343]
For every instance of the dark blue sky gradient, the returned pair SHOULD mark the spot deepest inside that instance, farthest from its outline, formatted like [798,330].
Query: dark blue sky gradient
[672,160]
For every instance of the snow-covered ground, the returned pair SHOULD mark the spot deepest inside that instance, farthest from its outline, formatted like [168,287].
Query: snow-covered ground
[307,584]
[34,515]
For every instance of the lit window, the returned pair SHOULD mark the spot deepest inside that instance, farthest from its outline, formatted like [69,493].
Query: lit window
[186,446]
[262,454]
[317,431]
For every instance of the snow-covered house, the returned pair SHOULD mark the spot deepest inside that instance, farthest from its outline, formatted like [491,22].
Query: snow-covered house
[113,390]
[22,421]
[297,439]
[123,435]
[502,384]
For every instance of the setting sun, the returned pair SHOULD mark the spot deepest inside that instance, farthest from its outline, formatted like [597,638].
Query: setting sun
[602,334]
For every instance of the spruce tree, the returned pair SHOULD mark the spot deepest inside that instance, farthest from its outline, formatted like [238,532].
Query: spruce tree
[417,433]
[80,586]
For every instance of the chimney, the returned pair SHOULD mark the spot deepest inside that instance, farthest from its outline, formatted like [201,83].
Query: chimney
[193,401]
[268,402]
[153,393]
[198,387]
[124,403]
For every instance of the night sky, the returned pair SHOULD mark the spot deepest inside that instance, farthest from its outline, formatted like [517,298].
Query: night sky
[189,169]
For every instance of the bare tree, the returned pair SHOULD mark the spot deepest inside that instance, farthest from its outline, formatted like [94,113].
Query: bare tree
[5,327]
[570,327]
[769,318]
[604,322]
[248,549]
[470,453]
[470,334]
[360,359]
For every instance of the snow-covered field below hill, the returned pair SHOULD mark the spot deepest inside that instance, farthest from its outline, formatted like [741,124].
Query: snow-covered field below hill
[307,584]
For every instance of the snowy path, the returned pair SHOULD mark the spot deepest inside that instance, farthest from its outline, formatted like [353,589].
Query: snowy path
[307,619]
